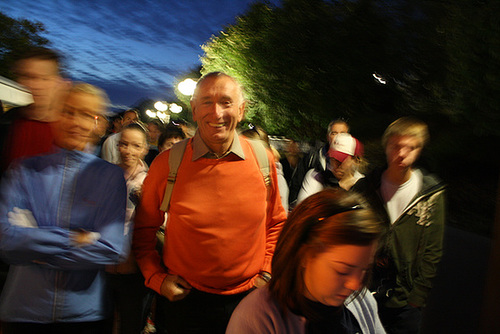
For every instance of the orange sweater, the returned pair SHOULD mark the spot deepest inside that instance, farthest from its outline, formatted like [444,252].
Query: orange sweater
[221,232]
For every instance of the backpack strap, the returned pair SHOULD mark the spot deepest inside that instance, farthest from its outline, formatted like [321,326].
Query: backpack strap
[174,161]
[262,159]
[177,153]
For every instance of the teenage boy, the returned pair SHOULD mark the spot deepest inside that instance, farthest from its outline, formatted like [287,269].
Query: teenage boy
[411,202]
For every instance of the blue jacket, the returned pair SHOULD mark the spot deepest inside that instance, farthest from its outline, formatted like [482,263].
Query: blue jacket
[51,279]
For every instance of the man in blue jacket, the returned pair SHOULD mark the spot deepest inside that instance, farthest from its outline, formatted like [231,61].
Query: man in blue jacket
[61,221]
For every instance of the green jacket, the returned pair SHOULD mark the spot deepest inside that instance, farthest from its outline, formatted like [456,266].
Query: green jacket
[414,243]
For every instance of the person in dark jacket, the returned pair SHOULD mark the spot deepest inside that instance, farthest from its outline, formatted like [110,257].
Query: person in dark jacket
[412,204]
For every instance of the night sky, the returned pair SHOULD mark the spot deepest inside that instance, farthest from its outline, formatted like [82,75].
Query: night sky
[132,49]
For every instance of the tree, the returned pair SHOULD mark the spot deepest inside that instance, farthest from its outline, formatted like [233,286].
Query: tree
[15,36]
[309,61]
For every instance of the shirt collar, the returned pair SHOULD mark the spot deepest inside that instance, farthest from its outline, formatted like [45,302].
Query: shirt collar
[200,149]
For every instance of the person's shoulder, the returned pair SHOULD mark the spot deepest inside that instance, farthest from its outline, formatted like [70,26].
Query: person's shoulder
[256,313]
[429,179]
[258,302]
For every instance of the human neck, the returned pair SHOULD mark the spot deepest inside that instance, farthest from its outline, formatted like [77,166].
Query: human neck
[398,176]
[129,170]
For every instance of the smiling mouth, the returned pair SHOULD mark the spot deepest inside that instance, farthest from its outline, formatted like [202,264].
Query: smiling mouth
[217,125]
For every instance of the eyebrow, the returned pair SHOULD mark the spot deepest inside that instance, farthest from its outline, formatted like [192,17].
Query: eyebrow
[352,266]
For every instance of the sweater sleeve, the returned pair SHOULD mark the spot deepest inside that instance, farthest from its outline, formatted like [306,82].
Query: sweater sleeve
[309,186]
[148,220]
[276,216]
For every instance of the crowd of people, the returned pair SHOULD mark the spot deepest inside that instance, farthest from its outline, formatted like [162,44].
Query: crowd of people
[112,225]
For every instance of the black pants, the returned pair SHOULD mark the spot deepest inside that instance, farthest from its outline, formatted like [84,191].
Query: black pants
[130,301]
[199,312]
[96,327]
[404,320]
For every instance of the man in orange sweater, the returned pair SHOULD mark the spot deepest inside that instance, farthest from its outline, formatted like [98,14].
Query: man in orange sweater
[223,221]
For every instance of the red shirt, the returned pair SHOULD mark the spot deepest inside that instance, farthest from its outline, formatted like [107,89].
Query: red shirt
[27,138]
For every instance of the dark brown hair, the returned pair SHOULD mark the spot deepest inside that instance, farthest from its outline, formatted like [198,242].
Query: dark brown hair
[328,218]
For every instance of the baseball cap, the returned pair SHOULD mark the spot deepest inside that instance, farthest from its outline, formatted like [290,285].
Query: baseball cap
[343,146]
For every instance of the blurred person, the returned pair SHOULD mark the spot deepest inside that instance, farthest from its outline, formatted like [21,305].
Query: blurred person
[126,283]
[294,169]
[320,269]
[98,135]
[170,136]
[319,159]
[345,158]
[26,131]
[411,203]
[155,129]
[256,132]
[188,128]
[109,150]
[61,221]
[223,218]
[115,124]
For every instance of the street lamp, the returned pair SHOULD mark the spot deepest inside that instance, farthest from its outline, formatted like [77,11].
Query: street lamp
[161,106]
[150,113]
[187,86]
[175,108]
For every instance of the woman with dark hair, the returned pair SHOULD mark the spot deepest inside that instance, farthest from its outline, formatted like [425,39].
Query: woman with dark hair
[320,270]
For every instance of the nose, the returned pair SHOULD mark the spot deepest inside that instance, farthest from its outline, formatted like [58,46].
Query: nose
[354,283]
[217,110]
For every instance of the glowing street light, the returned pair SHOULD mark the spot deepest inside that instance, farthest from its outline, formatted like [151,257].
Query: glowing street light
[150,113]
[161,106]
[161,115]
[187,86]
[175,108]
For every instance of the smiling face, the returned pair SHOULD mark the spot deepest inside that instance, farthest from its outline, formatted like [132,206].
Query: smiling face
[132,147]
[217,109]
[74,128]
[333,275]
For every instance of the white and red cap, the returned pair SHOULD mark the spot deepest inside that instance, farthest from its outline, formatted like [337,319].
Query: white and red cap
[344,145]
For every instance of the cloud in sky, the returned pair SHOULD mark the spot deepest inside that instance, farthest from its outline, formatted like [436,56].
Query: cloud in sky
[132,48]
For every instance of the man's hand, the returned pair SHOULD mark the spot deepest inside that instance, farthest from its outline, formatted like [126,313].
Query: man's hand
[175,288]
[82,238]
[22,218]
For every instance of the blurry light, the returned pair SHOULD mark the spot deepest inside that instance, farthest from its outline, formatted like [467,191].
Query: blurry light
[187,86]
[175,108]
[161,106]
[150,113]
[379,79]
[161,115]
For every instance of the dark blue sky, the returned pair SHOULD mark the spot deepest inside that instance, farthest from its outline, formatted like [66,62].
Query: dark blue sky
[132,49]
